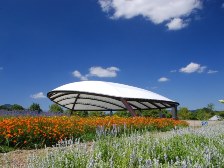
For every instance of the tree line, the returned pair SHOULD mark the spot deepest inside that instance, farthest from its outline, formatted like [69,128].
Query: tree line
[183,113]
[204,113]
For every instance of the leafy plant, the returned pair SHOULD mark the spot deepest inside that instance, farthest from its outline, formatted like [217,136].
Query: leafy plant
[35,107]
[55,108]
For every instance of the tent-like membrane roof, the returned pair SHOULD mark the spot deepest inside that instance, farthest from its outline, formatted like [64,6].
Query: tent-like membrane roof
[107,96]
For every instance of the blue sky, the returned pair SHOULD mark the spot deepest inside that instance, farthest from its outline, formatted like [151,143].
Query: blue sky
[174,48]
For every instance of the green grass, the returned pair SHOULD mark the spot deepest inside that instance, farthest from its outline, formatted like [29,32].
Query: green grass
[5,149]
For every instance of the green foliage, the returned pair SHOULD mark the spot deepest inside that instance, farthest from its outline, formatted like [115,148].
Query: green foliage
[55,108]
[156,113]
[211,107]
[96,113]
[5,149]
[169,115]
[17,107]
[122,114]
[221,114]
[193,116]
[5,107]
[35,107]
[184,113]
[203,114]
[79,113]
[14,107]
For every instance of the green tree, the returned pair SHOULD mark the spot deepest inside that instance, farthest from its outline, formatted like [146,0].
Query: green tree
[206,112]
[193,116]
[221,114]
[55,108]
[122,114]
[211,107]
[79,113]
[184,113]
[96,113]
[203,114]
[156,113]
[4,107]
[151,113]
[17,107]
[35,107]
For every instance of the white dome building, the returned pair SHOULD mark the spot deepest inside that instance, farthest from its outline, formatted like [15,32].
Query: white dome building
[108,96]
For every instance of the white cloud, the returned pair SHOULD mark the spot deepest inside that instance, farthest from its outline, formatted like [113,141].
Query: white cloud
[103,72]
[39,95]
[98,72]
[77,74]
[176,24]
[1,68]
[84,78]
[163,79]
[105,5]
[212,71]
[173,71]
[202,69]
[157,11]
[193,67]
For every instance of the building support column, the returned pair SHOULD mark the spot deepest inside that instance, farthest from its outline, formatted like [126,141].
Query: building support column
[174,112]
[140,111]
[129,108]
[160,114]
[73,107]
[111,113]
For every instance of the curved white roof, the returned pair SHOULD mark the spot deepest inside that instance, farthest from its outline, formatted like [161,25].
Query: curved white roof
[99,95]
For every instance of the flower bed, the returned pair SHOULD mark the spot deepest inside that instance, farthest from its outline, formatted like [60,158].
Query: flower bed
[39,131]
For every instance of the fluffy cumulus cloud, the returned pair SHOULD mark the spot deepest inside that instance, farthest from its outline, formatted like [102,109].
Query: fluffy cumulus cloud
[77,74]
[176,24]
[97,72]
[103,72]
[157,11]
[163,79]
[39,95]
[212,71]
[193,67]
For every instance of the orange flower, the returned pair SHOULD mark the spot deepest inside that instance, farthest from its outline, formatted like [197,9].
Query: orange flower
[57,128]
